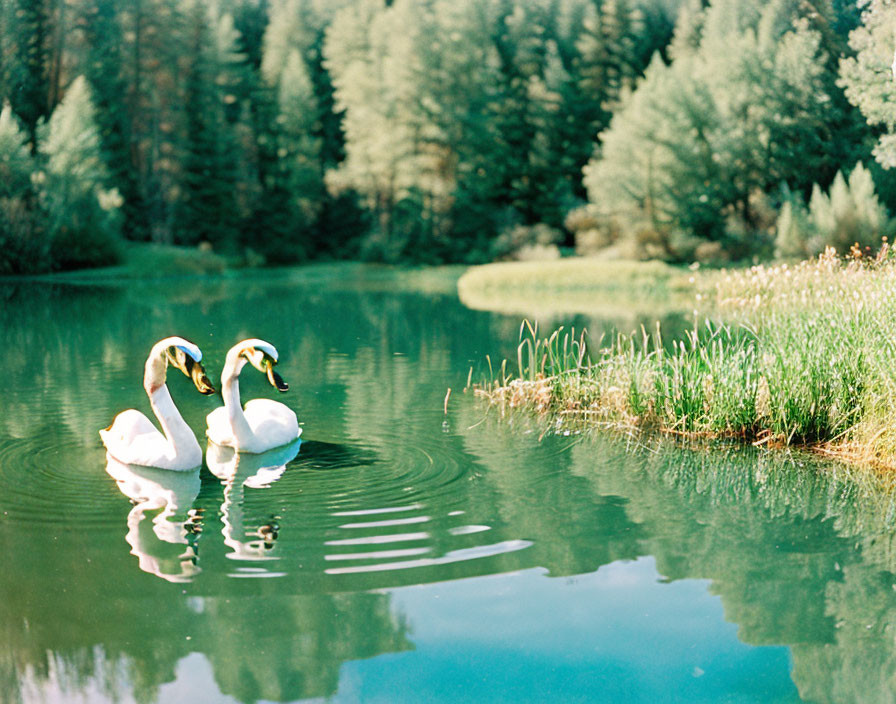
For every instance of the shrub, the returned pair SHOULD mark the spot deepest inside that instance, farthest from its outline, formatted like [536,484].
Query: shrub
[792,231]
[521,241]
[24,247]
[849,214]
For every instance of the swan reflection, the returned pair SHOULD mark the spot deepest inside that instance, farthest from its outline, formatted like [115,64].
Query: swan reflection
[160,528]
[238,470]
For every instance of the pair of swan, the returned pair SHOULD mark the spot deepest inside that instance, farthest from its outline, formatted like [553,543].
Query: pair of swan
[261,426]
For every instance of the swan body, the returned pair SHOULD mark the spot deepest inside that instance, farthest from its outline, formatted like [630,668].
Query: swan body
[133,439]
[263,424]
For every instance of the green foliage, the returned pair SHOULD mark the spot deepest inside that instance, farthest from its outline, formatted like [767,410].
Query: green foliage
[299,137]
[740,110]
[792,230]
[868,76]
[474,118]
[82,215]
[429,130]
[208,205]
[30,28]
[850,214]
[527,242]
[104,71]
[23,245]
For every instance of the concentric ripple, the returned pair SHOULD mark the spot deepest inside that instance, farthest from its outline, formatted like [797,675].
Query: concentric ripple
[52,480]
[390,507]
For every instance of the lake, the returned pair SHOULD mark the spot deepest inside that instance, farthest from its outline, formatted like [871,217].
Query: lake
[404,553]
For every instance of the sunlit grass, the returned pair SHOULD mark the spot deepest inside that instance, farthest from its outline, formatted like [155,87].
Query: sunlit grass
[806,357]
[581,285]
[153,261]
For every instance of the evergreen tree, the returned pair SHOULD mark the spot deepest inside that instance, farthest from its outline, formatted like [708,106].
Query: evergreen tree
[368,53]
[699,143]
[869,79]
[296,126]
[209,204]
[29,73]
[688,28]
[154,43]
[24,247]
[103,68]
[849,214]
[792,229]
[82,214]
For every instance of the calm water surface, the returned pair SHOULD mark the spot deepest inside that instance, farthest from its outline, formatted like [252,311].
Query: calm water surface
[402,554]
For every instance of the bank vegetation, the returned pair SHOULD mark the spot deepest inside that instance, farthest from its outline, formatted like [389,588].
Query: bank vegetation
[785,355]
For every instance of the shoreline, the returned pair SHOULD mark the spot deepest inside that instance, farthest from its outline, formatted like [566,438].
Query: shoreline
[802,361]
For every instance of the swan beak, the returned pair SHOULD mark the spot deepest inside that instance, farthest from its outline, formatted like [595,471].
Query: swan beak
[201,380]
[276,380]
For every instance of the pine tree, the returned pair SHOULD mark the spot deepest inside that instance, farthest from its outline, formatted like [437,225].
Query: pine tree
[868,77]
[792,229]
[103,68]
[296,127]
[154,40]
[82,214]
[850,213]
[29,74]
[24,247]
[208,205]
[299,155]
[368,54]
[698,144]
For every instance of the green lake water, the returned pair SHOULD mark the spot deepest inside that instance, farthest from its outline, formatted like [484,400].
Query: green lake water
[403,554]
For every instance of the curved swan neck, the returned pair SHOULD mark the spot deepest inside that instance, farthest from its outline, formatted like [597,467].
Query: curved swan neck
[174,427]
[155,371]
[230,391]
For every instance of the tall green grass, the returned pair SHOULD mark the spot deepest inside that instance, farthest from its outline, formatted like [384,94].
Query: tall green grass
[807,356]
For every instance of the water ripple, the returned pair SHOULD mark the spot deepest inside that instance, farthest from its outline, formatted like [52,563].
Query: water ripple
[453,556]
[53,482]
[388,507]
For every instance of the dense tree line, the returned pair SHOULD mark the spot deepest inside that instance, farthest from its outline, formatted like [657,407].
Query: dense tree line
[432,130]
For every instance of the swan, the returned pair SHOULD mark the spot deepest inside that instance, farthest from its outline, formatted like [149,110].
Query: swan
[133,439]
[264,424]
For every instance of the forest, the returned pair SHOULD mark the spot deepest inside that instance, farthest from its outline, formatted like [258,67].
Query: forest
[430,131]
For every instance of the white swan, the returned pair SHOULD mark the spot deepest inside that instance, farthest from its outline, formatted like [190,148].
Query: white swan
[264,424]
[133,439]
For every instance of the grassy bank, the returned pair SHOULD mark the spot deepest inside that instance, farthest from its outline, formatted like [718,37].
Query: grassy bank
[142,261]
[576,285]
[807,357]
[147,263]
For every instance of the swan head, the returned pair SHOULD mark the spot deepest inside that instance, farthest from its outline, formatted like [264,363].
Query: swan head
[263,356]
[187,357]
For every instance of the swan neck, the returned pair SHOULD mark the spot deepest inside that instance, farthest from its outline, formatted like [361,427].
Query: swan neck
[230,391]
[174,427]
[155,372]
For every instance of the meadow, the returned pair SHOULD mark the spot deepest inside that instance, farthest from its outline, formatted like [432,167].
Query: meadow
[785,354]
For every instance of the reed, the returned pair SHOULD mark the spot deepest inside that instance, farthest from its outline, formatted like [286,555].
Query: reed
[806,355]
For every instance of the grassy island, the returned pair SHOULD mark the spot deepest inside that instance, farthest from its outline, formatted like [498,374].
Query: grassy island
[787,354]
